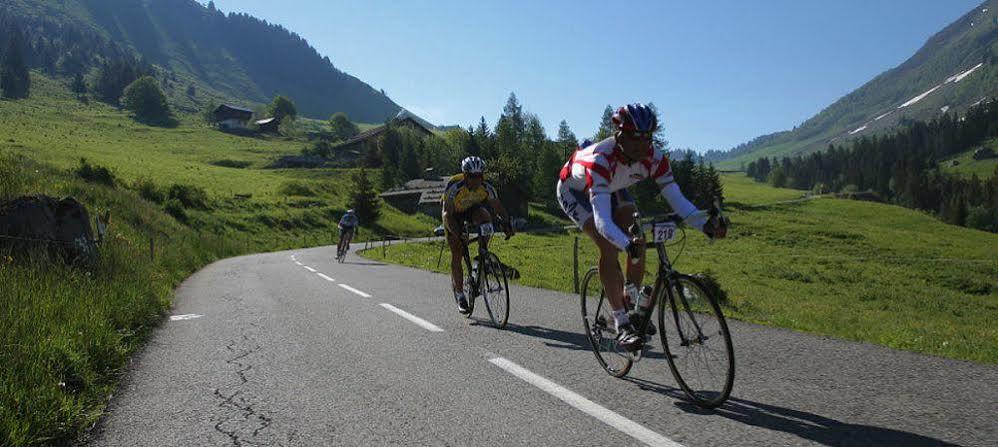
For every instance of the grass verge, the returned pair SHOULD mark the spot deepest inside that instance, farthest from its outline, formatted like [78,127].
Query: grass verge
[854,270]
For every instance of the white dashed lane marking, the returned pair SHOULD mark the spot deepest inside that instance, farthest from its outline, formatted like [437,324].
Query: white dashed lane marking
[184,317]
[408,316]
[309,269]
[326,277]
[624,425]
[358,292]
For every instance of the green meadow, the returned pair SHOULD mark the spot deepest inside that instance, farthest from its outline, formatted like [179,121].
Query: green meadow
[246,200]
[855,270]
[70,329]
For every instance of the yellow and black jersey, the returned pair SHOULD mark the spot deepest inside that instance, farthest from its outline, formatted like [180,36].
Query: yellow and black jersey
[462,197]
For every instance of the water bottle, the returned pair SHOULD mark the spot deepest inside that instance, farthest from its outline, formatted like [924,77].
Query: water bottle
[644,302]
[632,292]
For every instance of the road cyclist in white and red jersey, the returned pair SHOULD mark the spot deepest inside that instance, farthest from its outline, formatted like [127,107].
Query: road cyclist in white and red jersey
[592,190]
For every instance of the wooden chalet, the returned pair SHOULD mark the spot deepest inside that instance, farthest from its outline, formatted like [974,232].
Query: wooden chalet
[368,140]
[231,117]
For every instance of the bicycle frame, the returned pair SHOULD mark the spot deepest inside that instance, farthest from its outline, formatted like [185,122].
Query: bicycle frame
[665,280]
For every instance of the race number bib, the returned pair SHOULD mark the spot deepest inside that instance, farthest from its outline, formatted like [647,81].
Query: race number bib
[663,232]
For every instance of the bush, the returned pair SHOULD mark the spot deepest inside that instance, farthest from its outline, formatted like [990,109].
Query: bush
[174,208]
[228,163]
[144,98]
[95,173]
[297,189]
[149,191]
[189,196]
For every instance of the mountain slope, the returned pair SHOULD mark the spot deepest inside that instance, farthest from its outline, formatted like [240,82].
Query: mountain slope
[232,57]
[955,69]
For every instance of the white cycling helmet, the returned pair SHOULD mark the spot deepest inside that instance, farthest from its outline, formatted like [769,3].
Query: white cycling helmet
[473,165]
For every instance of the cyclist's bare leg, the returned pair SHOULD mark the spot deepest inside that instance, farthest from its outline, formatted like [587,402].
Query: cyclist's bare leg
[624,218]
[479,217]
[609,269]
[456,252]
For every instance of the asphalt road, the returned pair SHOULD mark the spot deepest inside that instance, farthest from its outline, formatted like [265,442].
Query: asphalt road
[293,349]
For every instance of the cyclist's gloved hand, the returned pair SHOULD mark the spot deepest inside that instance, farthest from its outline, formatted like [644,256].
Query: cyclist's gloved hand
[716,227]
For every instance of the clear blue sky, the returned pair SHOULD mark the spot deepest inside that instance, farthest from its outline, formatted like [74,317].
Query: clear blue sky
[721,72]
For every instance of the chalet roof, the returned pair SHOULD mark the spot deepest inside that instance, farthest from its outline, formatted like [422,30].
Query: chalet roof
[232,108]
[265,121]
[371,133]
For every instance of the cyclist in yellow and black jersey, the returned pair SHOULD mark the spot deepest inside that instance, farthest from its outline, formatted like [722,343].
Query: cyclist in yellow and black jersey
[468,199]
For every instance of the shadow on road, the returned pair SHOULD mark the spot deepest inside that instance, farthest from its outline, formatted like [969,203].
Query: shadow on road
[374,264]
[567,340]
[810,426]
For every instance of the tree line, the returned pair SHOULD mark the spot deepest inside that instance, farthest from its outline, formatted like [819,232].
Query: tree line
[523,161]
[903,168]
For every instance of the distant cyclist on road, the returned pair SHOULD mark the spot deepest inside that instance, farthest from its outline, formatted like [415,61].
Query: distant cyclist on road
[468,199]
[592,190]
[348,228]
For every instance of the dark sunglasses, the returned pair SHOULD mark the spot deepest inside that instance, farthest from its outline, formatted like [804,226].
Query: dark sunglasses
[638,135]
[475,175]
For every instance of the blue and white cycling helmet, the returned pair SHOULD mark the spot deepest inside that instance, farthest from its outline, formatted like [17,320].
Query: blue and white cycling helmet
[635,117]
[473,165]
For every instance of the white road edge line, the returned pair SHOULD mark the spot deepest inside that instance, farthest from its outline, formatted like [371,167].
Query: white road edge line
[358,292]
[408,316]
[309,269]
[185,317]
[326,277]
[626,426]
[299,263]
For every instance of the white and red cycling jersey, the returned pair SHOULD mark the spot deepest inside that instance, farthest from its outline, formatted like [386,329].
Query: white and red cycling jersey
[598,175]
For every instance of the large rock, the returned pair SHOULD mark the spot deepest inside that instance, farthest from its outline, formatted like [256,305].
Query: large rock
[61,226]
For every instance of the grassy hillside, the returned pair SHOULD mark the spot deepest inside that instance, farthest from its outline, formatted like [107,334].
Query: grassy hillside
[225,57]
[855,270]
[69,330]
[281,206]
[968,166]
[884,102]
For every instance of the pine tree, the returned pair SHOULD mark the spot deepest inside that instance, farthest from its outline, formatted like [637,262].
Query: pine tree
[606,125]
[363,199]
[567,141]
[282,108]
[78,86]
[15,81]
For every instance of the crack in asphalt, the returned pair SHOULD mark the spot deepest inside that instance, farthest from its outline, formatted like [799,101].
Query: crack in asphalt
[243,418]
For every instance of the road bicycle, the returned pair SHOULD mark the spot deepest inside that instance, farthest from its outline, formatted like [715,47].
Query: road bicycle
[691,326]
[486,276]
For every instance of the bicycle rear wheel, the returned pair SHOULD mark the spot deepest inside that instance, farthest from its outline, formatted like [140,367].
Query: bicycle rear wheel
[699,348]
[597,321]
[494,288]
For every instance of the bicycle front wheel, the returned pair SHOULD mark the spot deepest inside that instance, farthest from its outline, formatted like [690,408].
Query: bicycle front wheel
[698,348]
[597,321]
[495,290]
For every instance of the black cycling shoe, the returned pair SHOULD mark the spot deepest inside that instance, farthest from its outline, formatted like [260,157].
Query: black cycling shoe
[628,339]
[649,330]
[462,304]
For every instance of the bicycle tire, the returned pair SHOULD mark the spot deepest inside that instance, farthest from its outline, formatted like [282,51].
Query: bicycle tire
[494,288]
[469,288]
[598,321]
[694,312]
